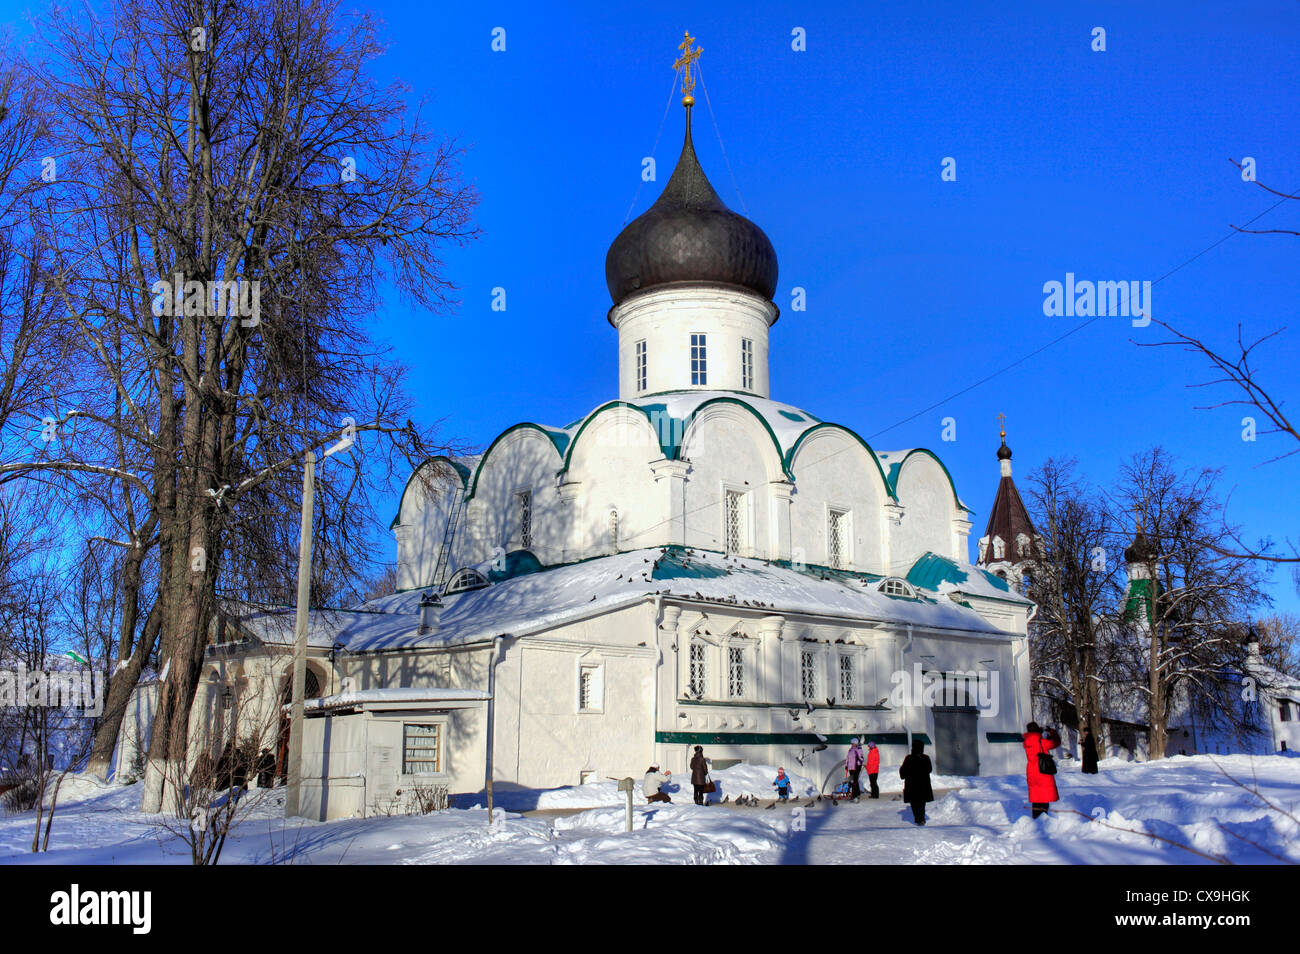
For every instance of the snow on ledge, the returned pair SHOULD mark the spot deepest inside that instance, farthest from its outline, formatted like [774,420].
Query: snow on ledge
[386,698]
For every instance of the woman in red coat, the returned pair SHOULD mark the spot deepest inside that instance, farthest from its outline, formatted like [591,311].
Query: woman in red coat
[1042,788]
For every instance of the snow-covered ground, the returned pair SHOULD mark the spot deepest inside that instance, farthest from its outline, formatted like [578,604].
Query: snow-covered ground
[1130,813]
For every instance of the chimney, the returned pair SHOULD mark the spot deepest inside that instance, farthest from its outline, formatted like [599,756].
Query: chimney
[430,612]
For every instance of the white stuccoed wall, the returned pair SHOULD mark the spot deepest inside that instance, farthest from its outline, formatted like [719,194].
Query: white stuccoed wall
[728,449]
[610,470]
[665,318]
[616,464]
[835,471]
[929,511]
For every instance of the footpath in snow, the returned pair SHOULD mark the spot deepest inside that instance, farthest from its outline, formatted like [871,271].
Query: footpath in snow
[1176,811]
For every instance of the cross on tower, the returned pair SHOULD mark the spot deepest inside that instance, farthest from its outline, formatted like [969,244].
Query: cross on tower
[684,63]
[1002,424]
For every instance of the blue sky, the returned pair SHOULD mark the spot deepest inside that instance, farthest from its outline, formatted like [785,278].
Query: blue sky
[1112,165]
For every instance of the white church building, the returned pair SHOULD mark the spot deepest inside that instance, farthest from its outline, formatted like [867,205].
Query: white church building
[690,563]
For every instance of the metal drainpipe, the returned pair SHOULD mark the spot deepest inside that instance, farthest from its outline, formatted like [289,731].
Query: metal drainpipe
[1015,677]
[491,719]
[1015,665]
[659,662]
[902,653]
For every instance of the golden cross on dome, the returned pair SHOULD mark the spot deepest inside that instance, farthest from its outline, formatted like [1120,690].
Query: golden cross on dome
[684,63]
[1002,424]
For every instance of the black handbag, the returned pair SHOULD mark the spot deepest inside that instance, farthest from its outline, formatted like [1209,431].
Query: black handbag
[1046,764]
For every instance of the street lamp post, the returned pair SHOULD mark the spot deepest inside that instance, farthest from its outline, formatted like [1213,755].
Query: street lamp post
[292,798]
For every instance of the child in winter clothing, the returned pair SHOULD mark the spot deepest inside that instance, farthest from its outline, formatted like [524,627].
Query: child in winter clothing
[782,785]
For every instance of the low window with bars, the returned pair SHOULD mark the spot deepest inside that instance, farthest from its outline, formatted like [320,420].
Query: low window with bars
[848,681]
[590,689]
[736,672]
[698,673]
[421,749]
[808,675]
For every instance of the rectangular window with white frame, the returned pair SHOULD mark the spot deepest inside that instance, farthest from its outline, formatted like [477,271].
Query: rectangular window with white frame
[747,364]
[421,748]
[640,366]
[808,675]
[839,537]
[591,688]
[735,521]
[699,359]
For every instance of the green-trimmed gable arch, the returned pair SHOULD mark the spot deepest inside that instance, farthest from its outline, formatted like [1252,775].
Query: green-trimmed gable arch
[931,508]
[614,502]
[656,440]
[556,440]
[896,470]
[837,515]
[740,412]
[795,457]
[454,471]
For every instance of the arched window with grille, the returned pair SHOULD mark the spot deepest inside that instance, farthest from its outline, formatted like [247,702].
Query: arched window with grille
[464,579]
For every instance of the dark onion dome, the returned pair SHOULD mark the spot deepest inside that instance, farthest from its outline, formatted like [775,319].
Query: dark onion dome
[689,235]
[1140,550]
[1004,452]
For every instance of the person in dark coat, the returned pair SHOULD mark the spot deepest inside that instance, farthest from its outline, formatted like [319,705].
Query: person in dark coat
[265,769]
[1089,752]
[1042,788]
[700,775]
[915,772]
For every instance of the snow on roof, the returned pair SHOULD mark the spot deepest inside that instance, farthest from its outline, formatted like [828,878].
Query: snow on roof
[396,696]
[932,572]
[275,624]
[542,600]
[1279,682]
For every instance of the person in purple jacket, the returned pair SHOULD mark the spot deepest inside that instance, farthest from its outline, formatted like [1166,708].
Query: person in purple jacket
[854,763]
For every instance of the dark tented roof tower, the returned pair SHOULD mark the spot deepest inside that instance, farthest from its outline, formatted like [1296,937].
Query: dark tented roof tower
[1009,541]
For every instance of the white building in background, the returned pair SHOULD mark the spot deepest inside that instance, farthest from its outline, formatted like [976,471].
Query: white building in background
[693,563]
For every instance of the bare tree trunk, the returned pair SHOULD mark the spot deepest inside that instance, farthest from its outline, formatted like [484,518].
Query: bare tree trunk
[120,688]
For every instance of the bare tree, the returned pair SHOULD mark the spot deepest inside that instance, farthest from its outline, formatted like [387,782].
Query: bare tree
[217,793]
[1186,617]
[1235,368]
[219,261]
[1279,641]
[1073,581]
